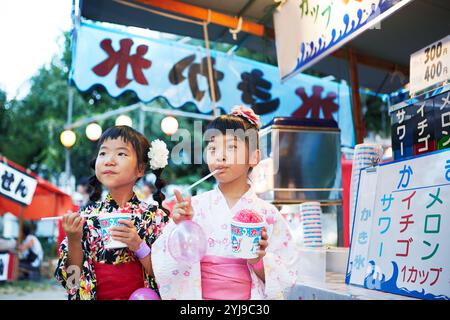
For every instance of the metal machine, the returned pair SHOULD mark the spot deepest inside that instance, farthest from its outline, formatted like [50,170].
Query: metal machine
[301,161]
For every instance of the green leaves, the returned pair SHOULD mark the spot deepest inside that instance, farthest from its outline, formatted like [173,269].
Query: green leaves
[30,128]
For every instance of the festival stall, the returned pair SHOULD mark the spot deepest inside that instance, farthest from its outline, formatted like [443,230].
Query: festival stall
[400,206]
[28,197]
[354,40]
[395,247]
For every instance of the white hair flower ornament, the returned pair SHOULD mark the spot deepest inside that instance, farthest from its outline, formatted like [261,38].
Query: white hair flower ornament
[158,154]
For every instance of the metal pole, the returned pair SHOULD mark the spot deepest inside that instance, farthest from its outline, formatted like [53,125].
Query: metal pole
[102,116]
[69,121]
[173,112]
[68,170]
[109,114]
[141,120]
[210,70]
[70,106]
[18,243]
[356,100]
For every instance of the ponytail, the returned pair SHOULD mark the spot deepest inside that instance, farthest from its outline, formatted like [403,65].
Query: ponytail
[158,196]
[94,186]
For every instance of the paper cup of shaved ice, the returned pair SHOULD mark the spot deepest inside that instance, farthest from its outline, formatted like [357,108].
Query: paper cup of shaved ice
[108,220]
[246,229]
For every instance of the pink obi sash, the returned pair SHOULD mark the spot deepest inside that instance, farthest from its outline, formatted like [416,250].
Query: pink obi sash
[225,278]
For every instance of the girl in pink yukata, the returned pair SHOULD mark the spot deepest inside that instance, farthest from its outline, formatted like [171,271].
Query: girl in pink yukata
[220,275]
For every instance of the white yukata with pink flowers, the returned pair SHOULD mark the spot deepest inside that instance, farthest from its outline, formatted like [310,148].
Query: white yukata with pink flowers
[177,280]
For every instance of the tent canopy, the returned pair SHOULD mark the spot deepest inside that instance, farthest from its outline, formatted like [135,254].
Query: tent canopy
[47,201]
[382,51]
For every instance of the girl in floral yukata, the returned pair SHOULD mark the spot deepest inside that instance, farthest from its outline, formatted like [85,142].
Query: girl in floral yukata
[86,268]
[219,275]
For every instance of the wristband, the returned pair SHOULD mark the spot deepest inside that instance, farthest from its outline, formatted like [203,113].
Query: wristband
[143,251]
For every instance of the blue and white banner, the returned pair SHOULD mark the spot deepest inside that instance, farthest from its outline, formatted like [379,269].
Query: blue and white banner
[309,30]
[121,61]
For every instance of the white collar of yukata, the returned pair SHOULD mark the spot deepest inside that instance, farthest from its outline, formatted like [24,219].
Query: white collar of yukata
[250,192]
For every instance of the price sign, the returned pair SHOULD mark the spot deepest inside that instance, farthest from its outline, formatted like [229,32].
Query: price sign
[430,65]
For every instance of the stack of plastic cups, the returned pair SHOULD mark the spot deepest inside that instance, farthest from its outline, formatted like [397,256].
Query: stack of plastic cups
[366,155]
[311,221]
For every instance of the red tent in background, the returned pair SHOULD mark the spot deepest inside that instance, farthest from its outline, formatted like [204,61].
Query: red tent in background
[47,201]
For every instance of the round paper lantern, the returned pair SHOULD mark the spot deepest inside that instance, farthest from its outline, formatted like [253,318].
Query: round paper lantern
[124,120]
[68,138]
[93,131]
[169,125]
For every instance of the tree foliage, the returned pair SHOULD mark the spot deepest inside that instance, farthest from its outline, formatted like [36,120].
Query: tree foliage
[30,127]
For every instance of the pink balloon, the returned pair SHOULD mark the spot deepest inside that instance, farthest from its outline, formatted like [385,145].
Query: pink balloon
[187,242]
[144,294]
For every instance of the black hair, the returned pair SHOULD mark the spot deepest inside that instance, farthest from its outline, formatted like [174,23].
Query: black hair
[149,184]
[233,122]
[27,229]
[158,196]
[141,146]
[83,181]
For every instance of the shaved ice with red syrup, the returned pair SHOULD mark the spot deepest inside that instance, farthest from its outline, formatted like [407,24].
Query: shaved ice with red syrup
[247,216]
[246,229]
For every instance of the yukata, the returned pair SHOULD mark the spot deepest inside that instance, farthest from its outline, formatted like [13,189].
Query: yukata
[181,280]
[148,220]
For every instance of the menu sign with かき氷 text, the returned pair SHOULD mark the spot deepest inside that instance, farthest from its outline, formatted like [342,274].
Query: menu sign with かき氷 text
[407,243]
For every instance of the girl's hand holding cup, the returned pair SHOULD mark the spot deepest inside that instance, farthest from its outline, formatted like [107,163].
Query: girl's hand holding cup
[183,208]
[72,224]
[126,234]
[263,243]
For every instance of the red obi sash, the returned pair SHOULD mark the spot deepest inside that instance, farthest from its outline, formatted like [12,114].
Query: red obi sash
[118,282]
